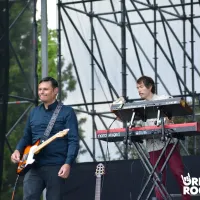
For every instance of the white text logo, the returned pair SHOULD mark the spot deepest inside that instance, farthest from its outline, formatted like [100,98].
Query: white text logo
[191,185]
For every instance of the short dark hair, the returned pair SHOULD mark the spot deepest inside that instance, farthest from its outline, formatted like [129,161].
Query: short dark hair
[54,83]
[148,82]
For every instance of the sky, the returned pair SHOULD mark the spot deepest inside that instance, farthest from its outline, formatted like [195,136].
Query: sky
[112,60]
[51,13]
[52,24]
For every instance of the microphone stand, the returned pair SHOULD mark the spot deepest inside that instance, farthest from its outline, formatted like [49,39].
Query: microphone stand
[160,121]
[127,139]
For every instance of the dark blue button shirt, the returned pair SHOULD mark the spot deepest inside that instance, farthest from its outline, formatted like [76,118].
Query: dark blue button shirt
[61,150]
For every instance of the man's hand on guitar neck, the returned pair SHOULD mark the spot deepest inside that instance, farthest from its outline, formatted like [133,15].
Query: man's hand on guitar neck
[15,157]
[64,171]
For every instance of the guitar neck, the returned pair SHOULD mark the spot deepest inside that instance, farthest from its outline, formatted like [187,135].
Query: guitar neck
[45,143]
[98,188]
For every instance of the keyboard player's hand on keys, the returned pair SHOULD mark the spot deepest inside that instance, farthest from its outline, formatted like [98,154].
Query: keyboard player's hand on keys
[118,118]
[169,121]
[119,101]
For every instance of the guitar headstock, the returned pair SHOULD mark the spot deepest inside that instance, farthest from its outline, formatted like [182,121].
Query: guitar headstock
[62,133]
[100,170]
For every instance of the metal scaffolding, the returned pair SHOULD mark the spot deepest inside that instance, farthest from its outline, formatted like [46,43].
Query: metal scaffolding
[20,74]
[112,43]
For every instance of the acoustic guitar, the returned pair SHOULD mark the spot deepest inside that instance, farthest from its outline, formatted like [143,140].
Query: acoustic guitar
[31,150]
[100,170]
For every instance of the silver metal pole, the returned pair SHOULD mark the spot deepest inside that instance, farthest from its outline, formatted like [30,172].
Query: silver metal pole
[44,38]
[44,47]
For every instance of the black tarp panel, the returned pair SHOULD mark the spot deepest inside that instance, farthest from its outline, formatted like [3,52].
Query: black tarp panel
[123,180]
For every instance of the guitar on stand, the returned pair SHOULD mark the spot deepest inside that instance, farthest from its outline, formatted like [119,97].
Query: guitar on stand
[100,170]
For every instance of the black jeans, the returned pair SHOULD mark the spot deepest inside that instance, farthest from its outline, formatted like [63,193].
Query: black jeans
[37,179]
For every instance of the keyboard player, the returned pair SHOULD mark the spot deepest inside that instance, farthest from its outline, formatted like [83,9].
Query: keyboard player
[146,90]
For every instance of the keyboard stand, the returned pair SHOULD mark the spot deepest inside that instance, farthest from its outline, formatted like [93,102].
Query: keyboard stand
[152,170]
[144,159]
[149,167]
[163,167]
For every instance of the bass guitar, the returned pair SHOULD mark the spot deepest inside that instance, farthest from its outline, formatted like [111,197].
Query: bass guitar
[31,150]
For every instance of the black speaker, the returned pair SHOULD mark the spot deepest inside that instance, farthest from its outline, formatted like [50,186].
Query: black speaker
[4,74]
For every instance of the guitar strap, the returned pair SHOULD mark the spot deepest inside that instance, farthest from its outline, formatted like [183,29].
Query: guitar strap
[51,122]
